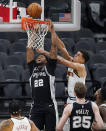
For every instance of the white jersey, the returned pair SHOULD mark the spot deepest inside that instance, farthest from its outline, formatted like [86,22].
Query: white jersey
[21,124]
[72,79]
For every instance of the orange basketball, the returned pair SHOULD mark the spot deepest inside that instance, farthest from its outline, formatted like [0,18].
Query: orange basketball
[34,10]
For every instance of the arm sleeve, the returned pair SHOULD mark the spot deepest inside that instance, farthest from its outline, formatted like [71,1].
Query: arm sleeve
[31,66]
[51,66]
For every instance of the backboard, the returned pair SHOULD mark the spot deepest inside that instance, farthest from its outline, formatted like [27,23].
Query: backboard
[65,14]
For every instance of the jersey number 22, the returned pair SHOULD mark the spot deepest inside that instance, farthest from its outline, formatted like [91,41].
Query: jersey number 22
[38,83]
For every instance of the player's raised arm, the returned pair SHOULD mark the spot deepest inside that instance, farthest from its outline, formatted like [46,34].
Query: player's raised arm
[63,49]
[73,65]
[29,55]
[53,50]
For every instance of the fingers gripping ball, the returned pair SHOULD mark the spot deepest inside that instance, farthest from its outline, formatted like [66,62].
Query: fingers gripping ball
[34,10]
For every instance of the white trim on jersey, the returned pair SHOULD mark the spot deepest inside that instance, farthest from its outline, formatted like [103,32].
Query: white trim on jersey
[52,90]
[31,76]
[21,124]
[30,111]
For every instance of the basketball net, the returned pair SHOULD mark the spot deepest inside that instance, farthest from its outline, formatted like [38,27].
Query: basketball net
[36,31]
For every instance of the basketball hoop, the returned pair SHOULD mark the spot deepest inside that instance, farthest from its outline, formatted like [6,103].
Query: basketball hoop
[36,31]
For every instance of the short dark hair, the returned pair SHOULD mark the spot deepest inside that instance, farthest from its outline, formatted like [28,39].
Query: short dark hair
[14,107]
[85,54]
[80,90]
[103,92]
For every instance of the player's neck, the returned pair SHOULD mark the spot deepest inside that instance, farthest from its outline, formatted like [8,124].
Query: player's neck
[82,100]
[18,116]
[40,66]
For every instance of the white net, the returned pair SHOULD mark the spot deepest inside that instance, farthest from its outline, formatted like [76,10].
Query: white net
[36,35]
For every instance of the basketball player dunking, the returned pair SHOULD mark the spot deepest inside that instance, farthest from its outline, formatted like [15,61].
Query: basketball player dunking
[17,122]
[44,110]
[82,113]
[76,71]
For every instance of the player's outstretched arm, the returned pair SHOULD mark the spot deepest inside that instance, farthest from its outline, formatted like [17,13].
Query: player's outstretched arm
[64,118]
[63,49]
[61,60]
[29,55]
[73,65]
[98,123]
[33,127]
[53,50]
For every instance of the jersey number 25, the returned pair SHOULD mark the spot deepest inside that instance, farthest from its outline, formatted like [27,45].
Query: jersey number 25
[81,121]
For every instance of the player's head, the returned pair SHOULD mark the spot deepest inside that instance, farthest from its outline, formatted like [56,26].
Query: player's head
[14,108]
[81,56]
[80,90]
[103,92]
[41,60]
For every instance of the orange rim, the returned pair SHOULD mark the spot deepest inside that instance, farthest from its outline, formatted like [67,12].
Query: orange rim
[31,21]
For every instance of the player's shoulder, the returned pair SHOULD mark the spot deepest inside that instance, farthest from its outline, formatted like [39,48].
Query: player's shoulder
[5,124]
[94,106]
[68,108]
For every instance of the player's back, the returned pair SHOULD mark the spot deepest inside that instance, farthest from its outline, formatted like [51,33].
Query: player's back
[81,116]
[21,124]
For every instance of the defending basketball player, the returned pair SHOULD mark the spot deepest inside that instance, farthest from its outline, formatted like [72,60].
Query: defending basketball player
[17,122]
[101,101]
[44,109]
[76,71]
[82,113]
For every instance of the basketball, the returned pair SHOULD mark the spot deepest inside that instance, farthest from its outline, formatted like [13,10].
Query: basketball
[34,10]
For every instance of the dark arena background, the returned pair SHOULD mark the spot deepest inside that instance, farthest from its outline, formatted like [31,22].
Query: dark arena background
[14,73]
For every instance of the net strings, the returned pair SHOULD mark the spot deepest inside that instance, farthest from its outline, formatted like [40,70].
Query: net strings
[36,36]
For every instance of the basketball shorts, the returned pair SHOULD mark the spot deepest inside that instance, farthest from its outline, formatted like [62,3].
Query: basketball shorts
[44,116]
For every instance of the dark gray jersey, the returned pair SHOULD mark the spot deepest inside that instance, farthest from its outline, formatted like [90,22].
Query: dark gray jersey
[42,81]
[81,117]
